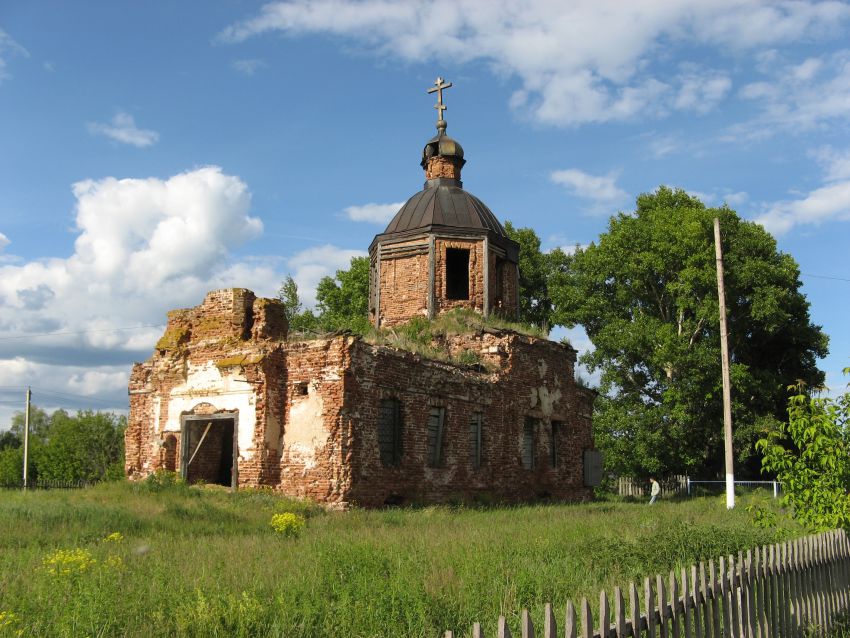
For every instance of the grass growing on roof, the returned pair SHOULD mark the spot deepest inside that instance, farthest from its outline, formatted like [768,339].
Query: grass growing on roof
[201,562]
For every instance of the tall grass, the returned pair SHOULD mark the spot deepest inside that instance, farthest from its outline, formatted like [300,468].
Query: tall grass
[204,562]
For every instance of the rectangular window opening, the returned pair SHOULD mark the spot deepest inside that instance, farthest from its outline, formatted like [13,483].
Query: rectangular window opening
[528,460]
[389,432]
[457,273]
[436,421]
[475,438]
[555,442]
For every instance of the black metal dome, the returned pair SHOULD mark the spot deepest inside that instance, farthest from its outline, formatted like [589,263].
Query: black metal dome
[444,203]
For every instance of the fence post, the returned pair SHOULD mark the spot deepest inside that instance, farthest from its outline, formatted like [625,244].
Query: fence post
[775,489]
[689,485]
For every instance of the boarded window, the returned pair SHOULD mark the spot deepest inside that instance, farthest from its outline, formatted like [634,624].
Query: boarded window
[555,442]
[475,438]
[389,431]
[528,443]
[592,468]
[436,420]
[457,273]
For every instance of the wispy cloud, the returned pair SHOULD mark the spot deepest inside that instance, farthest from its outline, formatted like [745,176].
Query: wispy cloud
[797,97]
[122,128]
[373,213]
[601,191]
[9,48]
[576,62]
[4,241]
[248,67]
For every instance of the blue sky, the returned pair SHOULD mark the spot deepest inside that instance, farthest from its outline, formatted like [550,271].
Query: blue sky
[152,151]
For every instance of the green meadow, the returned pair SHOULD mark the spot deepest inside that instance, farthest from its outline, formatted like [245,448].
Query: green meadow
[148,559]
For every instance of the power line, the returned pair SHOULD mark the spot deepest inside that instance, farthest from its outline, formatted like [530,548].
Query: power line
[825,277]
[80,332]
[62,395]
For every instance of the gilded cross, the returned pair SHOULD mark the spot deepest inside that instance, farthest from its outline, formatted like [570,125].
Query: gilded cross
[439,85]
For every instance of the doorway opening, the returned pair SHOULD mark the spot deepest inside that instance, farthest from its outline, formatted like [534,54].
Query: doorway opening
[208,450]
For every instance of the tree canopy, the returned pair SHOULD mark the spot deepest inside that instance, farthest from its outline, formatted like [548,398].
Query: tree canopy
[535,272]
[646,295]
[88,446]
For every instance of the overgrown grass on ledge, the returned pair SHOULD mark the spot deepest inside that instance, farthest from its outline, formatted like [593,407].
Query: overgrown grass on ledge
[203,562]
[426,337]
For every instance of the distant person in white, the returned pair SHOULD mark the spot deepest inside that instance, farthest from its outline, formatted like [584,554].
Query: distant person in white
[654,491]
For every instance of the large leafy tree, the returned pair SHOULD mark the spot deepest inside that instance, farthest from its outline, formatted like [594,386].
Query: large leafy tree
[535,271]
[646,295]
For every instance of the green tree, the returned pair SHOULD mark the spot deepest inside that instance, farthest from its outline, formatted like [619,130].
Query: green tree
[810,455]
[646,295]
[39,424]
[88,446]
[299,319]
[9,440]
[535,272]
[343,300]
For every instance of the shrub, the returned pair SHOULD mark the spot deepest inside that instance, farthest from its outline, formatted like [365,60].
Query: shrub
[288,524]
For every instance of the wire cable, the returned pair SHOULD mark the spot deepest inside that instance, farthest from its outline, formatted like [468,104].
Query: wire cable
[80,332]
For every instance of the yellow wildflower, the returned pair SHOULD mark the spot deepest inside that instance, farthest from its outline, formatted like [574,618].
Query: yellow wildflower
[68,562]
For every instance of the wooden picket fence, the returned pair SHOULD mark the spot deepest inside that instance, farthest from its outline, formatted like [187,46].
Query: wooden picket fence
[792,589]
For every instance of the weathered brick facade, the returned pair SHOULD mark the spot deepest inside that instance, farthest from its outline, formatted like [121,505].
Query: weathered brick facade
[304,416]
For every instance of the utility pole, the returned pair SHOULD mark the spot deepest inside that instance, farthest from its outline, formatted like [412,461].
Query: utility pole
[27,435]
[724,364]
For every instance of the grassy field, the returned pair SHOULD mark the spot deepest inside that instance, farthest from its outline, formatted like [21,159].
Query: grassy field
[203,562]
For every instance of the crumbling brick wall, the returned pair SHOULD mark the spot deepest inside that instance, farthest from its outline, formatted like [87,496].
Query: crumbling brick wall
[212,359]
[306,413]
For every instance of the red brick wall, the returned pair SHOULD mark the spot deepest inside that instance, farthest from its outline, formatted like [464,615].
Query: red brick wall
[404,288]
[504,398]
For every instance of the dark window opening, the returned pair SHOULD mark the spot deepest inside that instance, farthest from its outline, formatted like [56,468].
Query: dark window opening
[555,442]
[528,460]
[301,389]
[208,451]
[436,421]
[475,438]
[457,273]
[389,431]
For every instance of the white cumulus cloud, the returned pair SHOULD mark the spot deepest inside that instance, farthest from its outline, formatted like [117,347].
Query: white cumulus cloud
[828,203]
[143,247]
[373,213]
[576,62]
[600,190]
[122,128]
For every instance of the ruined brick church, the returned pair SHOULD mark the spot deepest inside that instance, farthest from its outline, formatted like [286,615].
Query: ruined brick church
[229,397]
